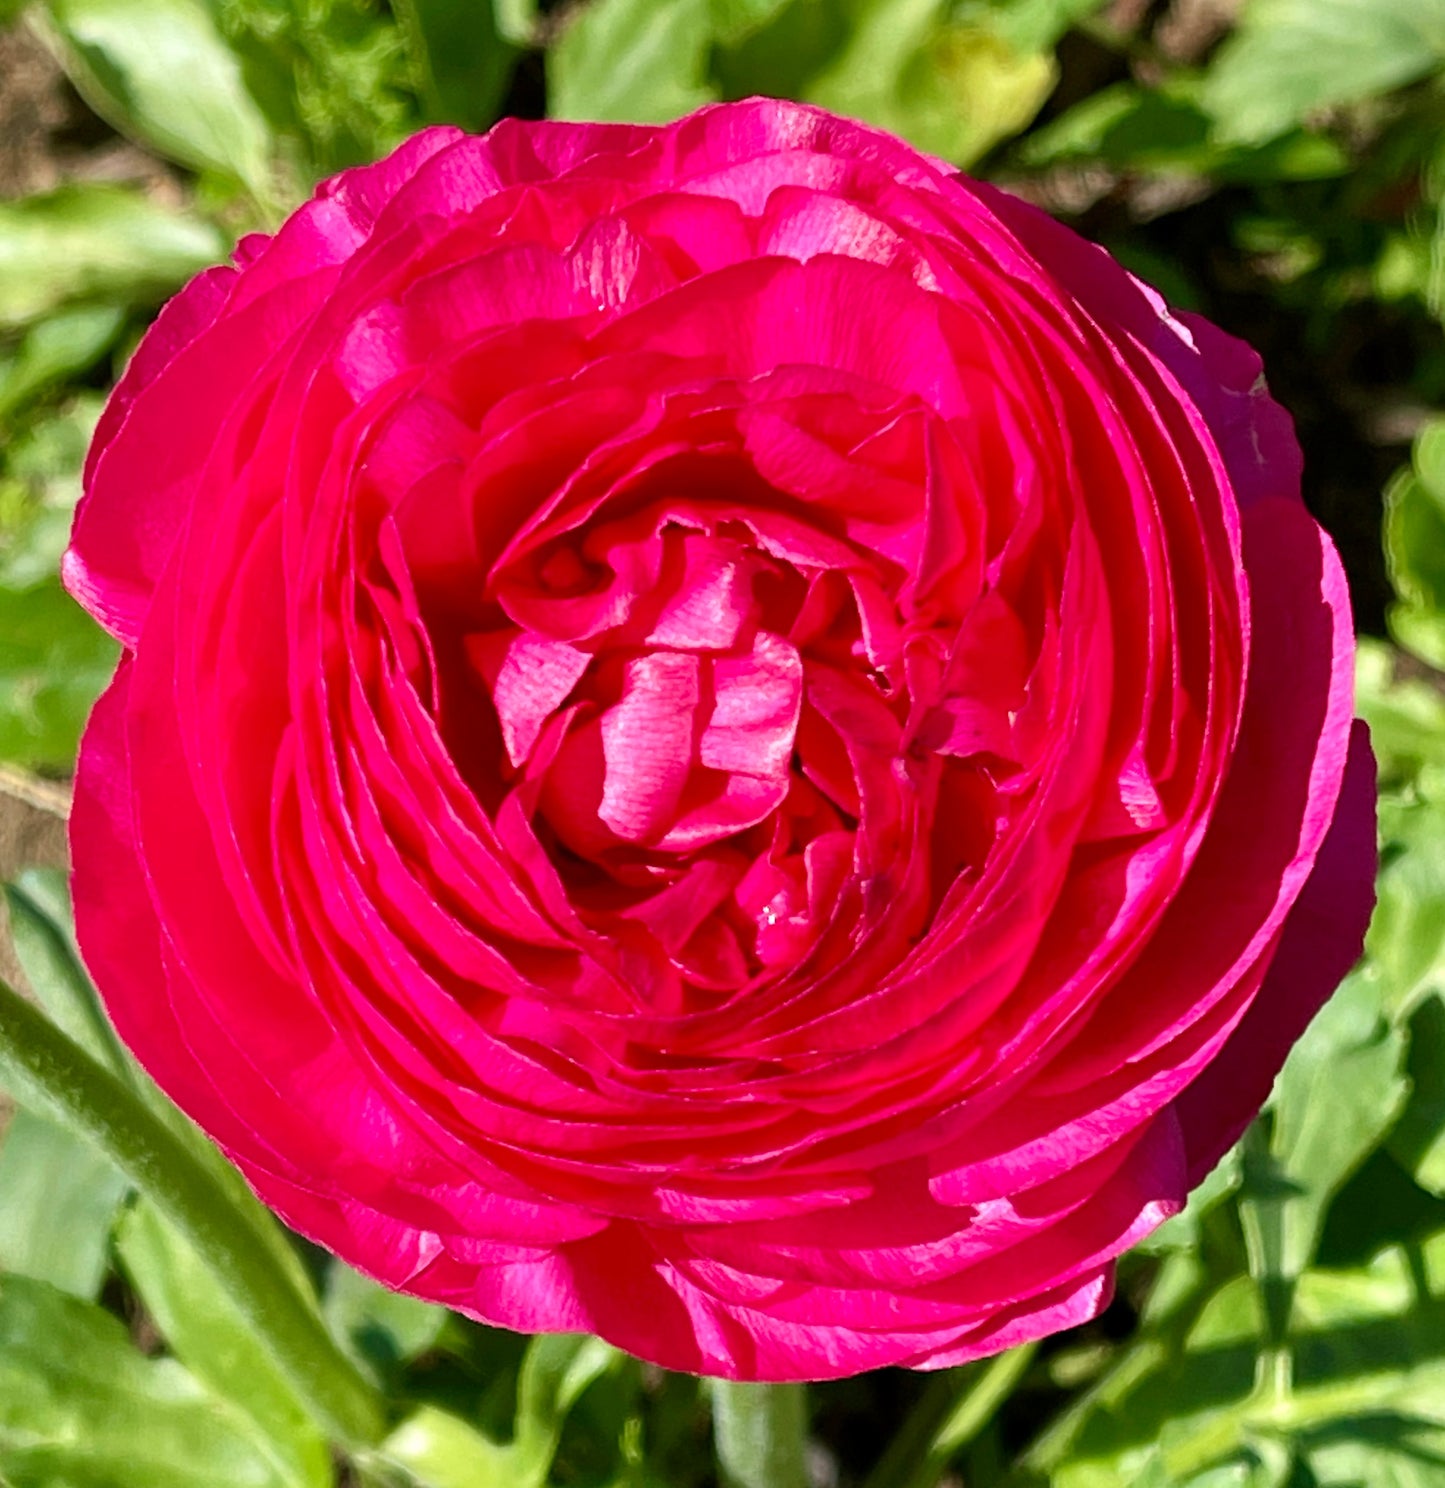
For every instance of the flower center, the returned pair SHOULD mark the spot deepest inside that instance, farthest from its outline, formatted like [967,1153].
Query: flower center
[728,716]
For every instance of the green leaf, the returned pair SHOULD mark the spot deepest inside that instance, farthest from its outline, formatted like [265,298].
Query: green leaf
[80,1408]
[733,20]
[1381,1204]
[643,61]
[95,242]
[956,1407]
[1418,1142]
[1339,1093]
[556,1369]
[437,1450]
[951,86]
[461,57]
[200,1321]
[40,477]
[1290,57]
[1166,130]
[1406,716]
[334,80]
[1031,25]
[1185,1230]
[1406,942]
[57,1078]
[54,663]
[39,906]
[1373,1454]
[517,21]
[1415,548]
[1123,125]
[954,90]
[1368,1363]
[58,1201]
[161,70]
[380,1328]
[58,347]
[1245,1385]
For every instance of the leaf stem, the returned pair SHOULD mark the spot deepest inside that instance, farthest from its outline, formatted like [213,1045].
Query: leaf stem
[45,1070]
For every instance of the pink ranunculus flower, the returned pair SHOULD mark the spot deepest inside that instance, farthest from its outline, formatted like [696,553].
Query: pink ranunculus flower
[727,738]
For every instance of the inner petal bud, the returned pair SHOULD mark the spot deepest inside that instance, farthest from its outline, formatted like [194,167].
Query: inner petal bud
[530,677]
[755,711]
[746,746]
[647,744]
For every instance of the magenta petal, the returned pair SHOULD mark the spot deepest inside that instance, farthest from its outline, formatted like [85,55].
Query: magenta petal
[1323,938]
[647,743]
[727,739]
[530,677]
[143,484]
[756,701]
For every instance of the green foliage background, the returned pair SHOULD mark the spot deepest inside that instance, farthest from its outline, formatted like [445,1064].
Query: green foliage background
[1277,164]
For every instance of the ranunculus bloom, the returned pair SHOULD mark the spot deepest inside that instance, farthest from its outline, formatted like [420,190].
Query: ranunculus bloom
[727,738]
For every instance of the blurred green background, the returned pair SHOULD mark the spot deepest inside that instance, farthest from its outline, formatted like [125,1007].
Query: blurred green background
[1276,164]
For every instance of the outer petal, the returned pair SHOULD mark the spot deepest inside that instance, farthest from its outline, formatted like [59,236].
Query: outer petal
[127,519]
[1322,940]
[1222,374]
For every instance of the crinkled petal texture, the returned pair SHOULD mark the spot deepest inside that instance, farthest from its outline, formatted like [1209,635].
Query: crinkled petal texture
[727,739]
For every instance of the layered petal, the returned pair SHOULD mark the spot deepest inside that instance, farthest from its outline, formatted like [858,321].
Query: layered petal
[726,739]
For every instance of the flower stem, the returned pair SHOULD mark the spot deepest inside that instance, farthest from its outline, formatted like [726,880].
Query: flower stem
[955,1408]
[760,1433]
[54,1076]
